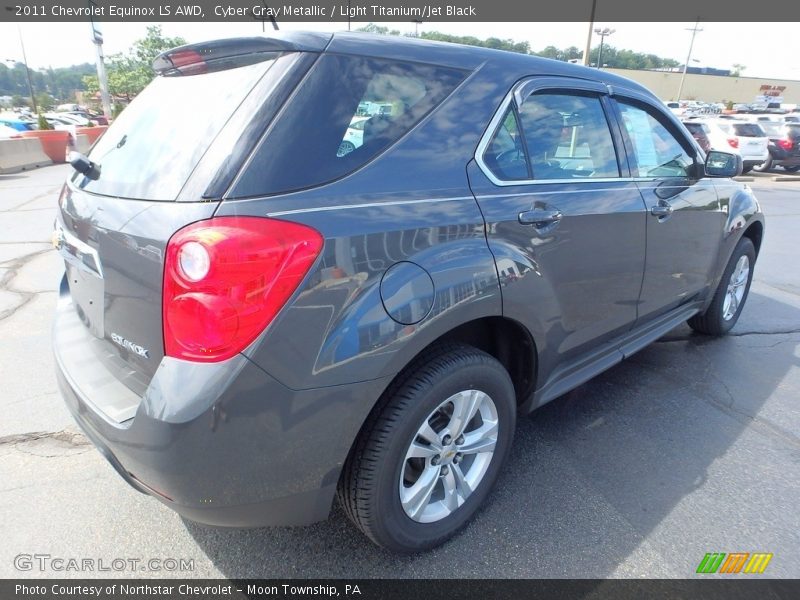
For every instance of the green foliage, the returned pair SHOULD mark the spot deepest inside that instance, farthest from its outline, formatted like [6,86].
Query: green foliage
[729,105]
[129,72]
[18,100]
[496,43]
[44,101]
[116,110]
[621,59]
[372,28]
[43,124]
[61,83]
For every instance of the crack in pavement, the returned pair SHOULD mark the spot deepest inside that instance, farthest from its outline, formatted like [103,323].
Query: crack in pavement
[13,266]
[694,336]
[72,438]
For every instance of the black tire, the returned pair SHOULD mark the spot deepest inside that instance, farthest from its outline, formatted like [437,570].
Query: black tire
[793,169]
[369,489]
[765,166]
[747,169]
[712,321]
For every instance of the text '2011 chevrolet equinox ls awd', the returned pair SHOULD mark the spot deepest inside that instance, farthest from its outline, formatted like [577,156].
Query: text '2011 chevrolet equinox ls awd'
[308,265]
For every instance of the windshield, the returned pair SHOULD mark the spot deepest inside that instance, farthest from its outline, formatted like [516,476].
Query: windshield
[156,142]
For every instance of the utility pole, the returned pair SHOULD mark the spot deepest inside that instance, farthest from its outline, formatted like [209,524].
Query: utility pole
[27,70]
[695,30]
[102,78]
[589,37]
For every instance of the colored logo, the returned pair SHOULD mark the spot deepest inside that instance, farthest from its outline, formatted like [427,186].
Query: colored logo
[735,562]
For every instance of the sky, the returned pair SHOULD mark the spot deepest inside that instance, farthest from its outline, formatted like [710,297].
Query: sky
[719,45]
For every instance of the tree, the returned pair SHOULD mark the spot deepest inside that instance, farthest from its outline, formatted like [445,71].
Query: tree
[130,72]
[737,70]
[44,101]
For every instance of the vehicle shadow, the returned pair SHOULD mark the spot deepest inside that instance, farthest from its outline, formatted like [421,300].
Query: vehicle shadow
[592,475]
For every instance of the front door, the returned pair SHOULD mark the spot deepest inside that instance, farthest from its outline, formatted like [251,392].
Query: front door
[685,221]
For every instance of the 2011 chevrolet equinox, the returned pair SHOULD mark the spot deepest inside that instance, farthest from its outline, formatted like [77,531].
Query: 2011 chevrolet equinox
[313,264]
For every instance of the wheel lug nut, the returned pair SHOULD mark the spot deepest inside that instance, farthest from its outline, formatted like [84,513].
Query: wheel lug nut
[460,440]
[445,471]
[435,460]
[446,440]
[456,459]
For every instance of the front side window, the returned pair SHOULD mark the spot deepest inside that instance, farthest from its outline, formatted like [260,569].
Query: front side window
[655,150]
[567,137]
[346,111]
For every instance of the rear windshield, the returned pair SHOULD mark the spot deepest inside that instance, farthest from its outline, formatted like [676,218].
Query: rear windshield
[346,111]
[153,146]
[748,130]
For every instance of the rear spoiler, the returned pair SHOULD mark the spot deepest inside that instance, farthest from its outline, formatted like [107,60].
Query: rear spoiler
[217,55]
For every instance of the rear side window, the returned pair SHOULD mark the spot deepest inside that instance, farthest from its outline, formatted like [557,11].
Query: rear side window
[347,111]
[553,136]
[505,154]
[567,137]
[748,130]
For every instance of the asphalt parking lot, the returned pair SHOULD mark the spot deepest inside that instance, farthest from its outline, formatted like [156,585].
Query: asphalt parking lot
[692,446]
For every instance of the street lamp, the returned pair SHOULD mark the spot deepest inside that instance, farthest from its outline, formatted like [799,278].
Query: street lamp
[417,23]
[27,70]
[603,33]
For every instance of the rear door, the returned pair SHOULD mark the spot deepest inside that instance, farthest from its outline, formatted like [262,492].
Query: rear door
[564,220]
[685,220]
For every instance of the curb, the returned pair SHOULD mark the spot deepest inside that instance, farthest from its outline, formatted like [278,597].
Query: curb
[744,179]
[785,178]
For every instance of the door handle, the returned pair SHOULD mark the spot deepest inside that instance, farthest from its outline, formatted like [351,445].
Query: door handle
[539,218]
[662,209]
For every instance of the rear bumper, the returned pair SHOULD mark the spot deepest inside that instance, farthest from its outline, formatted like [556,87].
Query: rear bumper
[225,444]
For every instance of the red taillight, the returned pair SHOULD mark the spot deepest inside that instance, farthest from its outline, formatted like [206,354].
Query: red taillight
[226,278]
[733,142]
[785,144]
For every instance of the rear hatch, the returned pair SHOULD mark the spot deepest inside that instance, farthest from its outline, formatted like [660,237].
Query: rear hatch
[161,165]
[753,141]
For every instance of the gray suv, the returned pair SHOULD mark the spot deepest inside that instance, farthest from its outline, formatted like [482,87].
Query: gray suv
[256,318]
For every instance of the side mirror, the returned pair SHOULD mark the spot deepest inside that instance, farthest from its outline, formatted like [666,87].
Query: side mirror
[723,164]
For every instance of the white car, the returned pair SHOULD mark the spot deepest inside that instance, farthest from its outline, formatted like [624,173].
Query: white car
[67,118]
[353,137]
[744,137]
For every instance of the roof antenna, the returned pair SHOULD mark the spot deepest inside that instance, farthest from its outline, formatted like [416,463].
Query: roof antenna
[271,18]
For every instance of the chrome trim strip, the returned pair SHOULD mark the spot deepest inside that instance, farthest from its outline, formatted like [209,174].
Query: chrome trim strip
[75,251]
[299,211]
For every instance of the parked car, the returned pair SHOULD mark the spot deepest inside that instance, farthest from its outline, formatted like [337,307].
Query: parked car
[744,137]
[784,146]
[15,123]
[7,132]
[354,136]
[251,323]
[699,131]
[67,118]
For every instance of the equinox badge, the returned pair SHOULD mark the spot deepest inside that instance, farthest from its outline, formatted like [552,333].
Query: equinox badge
[129,345]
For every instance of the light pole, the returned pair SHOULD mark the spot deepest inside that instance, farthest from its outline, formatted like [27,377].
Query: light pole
[694,31]
[603,33]
[417,23]
[102,77]
[588,48]
[27,70]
